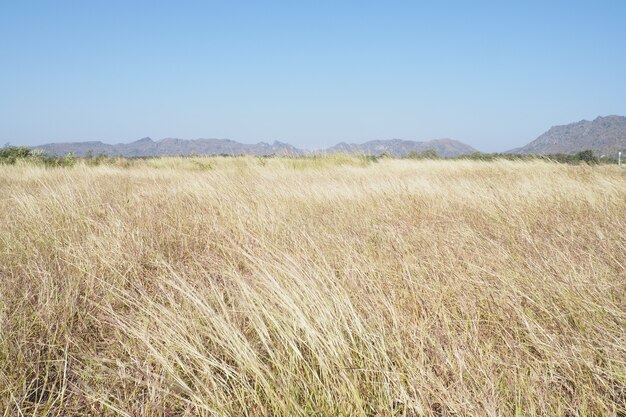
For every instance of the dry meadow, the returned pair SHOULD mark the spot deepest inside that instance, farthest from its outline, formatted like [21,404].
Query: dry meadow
[336,286]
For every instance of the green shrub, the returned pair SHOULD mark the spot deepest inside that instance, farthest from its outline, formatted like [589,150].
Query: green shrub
[427,154]
[586,156]
[10,154]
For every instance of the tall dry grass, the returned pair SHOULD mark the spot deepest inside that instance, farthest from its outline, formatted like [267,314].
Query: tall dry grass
[312,287]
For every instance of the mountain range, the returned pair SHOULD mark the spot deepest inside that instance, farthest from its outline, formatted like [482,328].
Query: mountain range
[399,147]
[603,135]
[174,147]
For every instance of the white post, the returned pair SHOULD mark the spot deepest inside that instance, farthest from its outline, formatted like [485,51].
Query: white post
[619,159]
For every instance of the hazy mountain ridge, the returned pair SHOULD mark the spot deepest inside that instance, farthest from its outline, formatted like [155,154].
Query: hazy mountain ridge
[400,148]
[170,147]
[174,147]
[603,135]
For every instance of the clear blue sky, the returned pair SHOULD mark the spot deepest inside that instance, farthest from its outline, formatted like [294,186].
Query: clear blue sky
[492,74]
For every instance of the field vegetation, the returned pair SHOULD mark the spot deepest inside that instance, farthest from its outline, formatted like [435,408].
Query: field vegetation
[329,286]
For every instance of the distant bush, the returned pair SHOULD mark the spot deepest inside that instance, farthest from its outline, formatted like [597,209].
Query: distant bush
[586,156]
[479,156]
[427,154]
[11,154]
[370,158]
[99,159]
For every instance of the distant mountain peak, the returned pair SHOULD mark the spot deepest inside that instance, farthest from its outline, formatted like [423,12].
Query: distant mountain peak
[147,139]
[604,135]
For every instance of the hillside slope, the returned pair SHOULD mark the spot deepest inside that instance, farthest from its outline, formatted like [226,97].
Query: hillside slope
[604,135]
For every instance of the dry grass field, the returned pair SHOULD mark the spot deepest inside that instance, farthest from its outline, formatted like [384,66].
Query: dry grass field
[335,286]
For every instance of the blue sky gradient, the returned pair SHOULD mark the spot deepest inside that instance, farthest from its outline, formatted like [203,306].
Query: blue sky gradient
[492,74]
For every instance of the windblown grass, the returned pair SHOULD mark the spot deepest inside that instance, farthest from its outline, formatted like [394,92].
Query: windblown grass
[312,287]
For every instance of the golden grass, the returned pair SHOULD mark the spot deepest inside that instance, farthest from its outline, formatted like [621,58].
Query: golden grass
[313,287]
